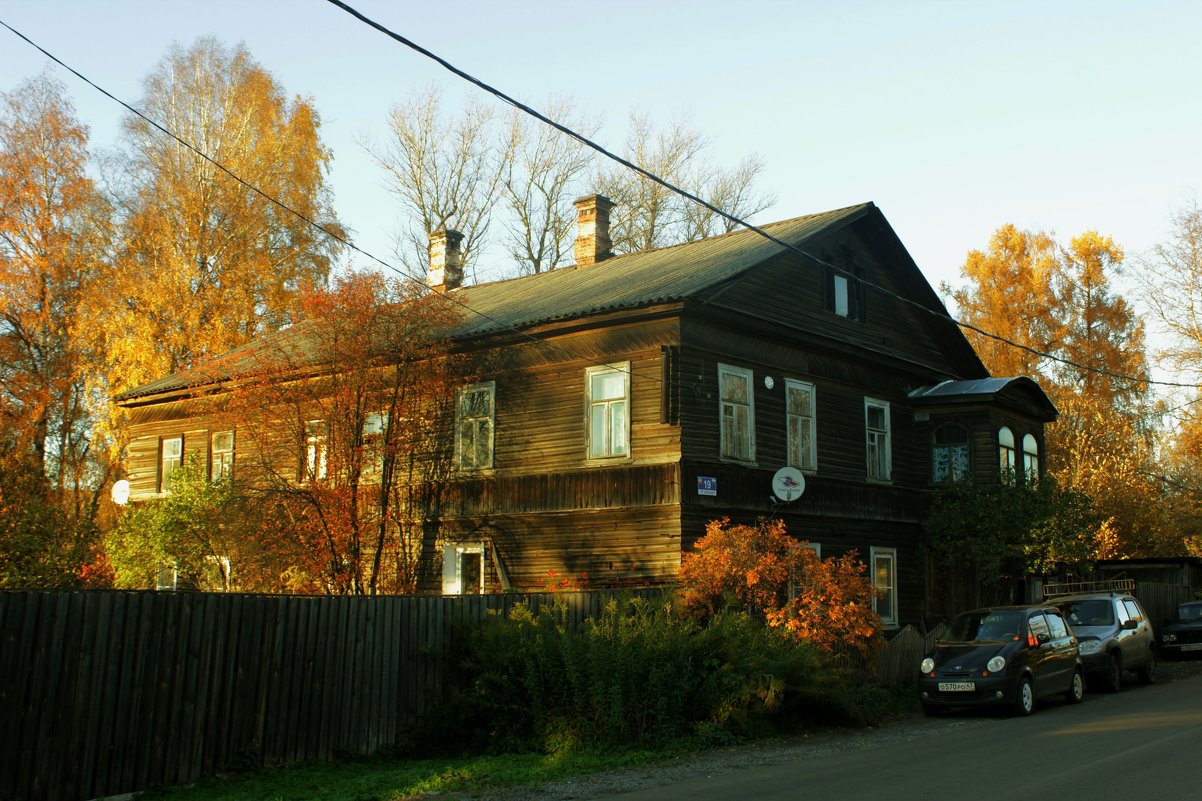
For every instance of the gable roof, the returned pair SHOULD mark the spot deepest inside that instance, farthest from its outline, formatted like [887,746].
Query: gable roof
[635,279]
[628,281]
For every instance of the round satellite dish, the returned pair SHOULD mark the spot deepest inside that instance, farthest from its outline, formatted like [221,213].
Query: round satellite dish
[769,382]
[120,492]
[788,483]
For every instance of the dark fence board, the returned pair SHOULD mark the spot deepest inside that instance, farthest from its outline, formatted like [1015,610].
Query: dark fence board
[103,693]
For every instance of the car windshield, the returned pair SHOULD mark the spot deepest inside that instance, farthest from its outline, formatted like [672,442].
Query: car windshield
[1090,613]
[985,625]
[1189,612]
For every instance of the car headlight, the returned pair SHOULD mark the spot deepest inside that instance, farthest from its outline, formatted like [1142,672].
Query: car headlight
[927,665]
[1170,638]
[996,664]
[1091,646]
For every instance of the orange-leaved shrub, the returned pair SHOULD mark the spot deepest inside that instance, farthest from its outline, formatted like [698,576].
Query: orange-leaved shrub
[781,580]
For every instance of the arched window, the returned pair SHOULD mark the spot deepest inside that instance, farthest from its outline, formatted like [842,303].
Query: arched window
[949,454]
[1030,459]
[1007,454]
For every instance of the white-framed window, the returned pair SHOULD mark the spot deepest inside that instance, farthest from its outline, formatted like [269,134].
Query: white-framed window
[607,401]
[171,458]
[221,455]
[736,413]
[317,445]
[802,428]
[949,453]
[1030,459]
[841,295]
[1007,455]
[372,462]
[463,569]
[475,419]
[877,440]
[883,564]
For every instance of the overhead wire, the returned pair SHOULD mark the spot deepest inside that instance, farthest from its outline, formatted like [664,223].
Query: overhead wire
[335,235]
[587,142]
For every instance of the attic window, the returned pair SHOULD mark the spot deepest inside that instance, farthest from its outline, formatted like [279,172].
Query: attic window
[845,286]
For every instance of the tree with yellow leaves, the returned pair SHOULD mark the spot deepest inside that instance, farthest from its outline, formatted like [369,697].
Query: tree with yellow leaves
[1059,301]
[53,225]
[207,263]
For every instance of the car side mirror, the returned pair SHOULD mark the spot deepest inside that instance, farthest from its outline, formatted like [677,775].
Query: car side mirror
[1130,625]
[1044,639]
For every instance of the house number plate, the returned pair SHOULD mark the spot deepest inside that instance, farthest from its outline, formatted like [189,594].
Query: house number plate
[956,686]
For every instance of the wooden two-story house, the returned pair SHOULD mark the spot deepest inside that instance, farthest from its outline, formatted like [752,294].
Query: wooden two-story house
[631,399]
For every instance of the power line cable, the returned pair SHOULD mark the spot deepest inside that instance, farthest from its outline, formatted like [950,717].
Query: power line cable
[584,140]
[594,146]
[335,235]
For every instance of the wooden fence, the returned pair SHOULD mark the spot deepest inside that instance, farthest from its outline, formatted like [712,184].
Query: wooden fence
[110,692]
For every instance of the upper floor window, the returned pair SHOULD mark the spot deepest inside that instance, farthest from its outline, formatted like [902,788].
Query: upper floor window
[1007,455]
[1030,459]
[949,454]
[876,426]
[171,458]
[884,580]
[737,413]
[474,422]
[316,449]
[799,413]
[221,455]
[608,404]
[375,425]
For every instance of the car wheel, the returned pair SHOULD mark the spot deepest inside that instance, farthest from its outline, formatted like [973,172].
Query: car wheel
[1112,682]
[1147,673]
[1024,699]
[1076,690]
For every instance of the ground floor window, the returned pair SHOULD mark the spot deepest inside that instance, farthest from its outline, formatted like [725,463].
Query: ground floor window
[463,569]
[883,567]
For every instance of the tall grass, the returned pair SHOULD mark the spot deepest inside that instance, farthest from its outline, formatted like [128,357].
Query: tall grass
[638,673]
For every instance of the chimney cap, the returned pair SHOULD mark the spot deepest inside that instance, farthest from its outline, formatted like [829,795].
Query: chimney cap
[598,200]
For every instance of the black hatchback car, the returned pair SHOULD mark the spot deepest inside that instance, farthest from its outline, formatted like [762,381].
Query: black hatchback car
[1006,655]
[1183,634]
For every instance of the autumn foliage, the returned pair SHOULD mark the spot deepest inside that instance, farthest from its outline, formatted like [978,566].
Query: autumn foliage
[781,580]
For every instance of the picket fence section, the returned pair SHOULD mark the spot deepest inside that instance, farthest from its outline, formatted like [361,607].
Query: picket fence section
[107,692]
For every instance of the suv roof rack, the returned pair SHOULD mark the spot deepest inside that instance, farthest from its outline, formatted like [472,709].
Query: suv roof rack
[1088,587]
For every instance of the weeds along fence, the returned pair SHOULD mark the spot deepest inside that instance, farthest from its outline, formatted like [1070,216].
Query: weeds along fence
[105,692]
[110,692]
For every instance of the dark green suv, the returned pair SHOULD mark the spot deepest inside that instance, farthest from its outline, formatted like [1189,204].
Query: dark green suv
[1115,635]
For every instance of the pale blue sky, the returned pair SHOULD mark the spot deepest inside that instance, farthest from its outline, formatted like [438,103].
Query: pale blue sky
[953,117]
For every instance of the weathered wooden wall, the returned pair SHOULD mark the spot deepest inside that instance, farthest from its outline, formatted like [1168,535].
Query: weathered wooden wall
[105,692]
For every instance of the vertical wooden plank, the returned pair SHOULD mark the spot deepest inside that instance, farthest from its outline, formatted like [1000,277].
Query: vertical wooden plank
[293,714]
[323,667]
[106,684]
[48,682]
[311,678]
[14,676]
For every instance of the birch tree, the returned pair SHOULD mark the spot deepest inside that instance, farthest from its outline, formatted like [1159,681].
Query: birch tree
[207,263]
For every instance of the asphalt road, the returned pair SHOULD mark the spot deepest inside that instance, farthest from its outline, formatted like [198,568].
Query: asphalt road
[1144,741]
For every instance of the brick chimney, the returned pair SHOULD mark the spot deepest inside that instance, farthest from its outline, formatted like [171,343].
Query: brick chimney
[592,230]
[446,261]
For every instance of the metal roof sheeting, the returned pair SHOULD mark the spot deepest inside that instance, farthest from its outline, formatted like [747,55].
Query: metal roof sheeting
[619,282]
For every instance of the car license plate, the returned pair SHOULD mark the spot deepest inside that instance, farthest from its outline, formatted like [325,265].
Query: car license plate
[956,686]
[1196,646]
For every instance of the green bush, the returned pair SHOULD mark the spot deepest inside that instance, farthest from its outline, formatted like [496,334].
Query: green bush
[638,673]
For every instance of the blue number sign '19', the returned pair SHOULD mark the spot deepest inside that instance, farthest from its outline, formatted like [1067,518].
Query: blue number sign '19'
[707,485]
